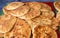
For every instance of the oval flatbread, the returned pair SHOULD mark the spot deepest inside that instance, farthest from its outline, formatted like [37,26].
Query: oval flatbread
[14,5]
[17,12]
[57,6]
[44,32]
[20,30]
[6,23]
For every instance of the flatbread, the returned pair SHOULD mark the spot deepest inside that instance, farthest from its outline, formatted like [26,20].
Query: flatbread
[14,5]
[57,6]
[17,12]
[6,23]
[20,30]
[44,32]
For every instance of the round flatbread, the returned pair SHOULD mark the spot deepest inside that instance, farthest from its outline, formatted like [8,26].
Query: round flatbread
[31,14]
[20,30]
[45,7]
[44,32]
[47,14]
[6,23]
[14,5]
[57,6]
[17,12]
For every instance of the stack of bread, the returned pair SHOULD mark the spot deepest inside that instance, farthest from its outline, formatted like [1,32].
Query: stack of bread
[29,20]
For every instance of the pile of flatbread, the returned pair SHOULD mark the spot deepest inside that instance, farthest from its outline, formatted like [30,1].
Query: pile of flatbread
[29,20]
